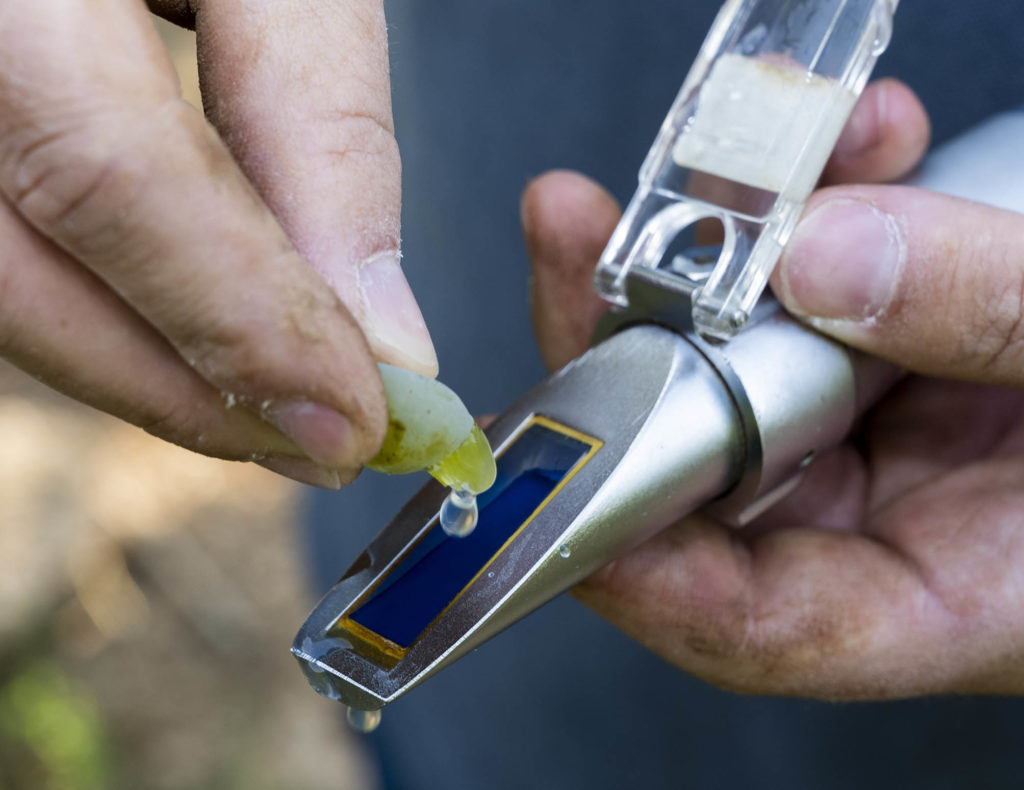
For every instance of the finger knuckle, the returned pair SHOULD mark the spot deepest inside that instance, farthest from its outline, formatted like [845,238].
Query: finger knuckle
[360,134]
[808,649]
[57,175]
[77,179]
[175,422]
[225,353]
[791,644]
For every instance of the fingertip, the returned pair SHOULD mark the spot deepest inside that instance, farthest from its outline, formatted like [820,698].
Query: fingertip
[303,470]
[561,201]
[567,220]
[325,435]
[887,134]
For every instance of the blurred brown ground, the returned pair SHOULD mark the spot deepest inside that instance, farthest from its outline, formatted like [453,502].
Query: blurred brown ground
[148,597]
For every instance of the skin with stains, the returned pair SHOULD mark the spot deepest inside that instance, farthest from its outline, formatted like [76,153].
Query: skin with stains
[152,258]
[897,568]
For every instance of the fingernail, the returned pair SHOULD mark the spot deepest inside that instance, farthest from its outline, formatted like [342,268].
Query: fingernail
[392,319]
[323,434]
[843,261]
[302,470]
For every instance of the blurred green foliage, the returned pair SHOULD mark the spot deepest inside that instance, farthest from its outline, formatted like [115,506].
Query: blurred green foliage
[52,736]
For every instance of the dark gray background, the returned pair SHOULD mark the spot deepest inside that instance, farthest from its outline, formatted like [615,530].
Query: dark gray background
[488,95]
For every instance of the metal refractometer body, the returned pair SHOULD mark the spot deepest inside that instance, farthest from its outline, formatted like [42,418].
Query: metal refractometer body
[649,425]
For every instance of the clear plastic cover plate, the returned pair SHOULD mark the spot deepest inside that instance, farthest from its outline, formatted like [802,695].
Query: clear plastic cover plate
[745,143]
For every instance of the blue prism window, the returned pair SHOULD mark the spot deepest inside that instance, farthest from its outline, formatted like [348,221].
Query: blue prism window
[433,574]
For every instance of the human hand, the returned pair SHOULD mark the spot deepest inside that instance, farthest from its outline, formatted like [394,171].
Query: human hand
[229,293]
[897,568]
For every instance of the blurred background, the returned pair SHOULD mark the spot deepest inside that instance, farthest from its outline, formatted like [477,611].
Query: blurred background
[148,597]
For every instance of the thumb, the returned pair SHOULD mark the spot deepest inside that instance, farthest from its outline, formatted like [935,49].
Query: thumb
[932,283]
[311,126]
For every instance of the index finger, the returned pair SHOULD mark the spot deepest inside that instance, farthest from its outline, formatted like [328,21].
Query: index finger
[100,155]
[884,139]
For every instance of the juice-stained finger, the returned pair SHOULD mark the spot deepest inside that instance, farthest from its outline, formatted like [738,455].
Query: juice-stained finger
[61,324]
[99,153]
